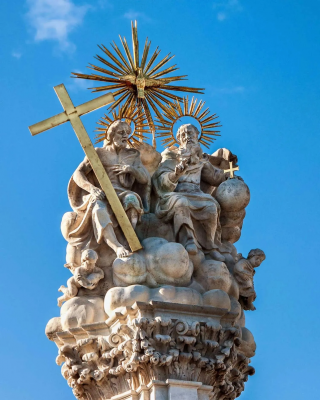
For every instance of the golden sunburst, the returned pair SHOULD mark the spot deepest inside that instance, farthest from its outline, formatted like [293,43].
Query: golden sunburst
[136,81]
[174,112]
[129,114]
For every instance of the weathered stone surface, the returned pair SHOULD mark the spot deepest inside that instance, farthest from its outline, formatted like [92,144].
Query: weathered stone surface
[158,263]
[145,345]
[167,321]
[120,297]
[82,310]
[53,326]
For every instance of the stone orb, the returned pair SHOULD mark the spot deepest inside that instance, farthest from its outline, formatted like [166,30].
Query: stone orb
[233,195]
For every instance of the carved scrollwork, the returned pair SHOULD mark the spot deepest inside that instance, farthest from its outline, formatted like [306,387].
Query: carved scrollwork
[146,349]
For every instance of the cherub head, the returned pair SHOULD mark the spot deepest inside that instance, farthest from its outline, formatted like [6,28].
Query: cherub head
[88,259]
[256,256]
[118,134]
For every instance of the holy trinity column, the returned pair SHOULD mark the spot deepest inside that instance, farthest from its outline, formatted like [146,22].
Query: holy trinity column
[154,306]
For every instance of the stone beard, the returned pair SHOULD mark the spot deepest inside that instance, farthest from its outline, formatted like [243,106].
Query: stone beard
[177,181]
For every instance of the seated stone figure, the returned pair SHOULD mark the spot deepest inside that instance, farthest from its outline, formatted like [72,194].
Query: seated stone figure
[244,271]
[87,276]
[195,214]
[93,221]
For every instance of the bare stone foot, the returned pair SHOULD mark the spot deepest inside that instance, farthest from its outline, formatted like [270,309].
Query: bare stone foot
[215,255]
[60,301]
[61,288]
[122,252]
[192,249]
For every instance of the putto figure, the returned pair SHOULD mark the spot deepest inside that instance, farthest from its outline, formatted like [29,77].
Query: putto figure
[93,221]
[177,181]
[244,271]
[87,276]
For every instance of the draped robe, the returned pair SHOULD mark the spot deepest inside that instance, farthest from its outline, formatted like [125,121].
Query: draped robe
[185,203]
[92,216]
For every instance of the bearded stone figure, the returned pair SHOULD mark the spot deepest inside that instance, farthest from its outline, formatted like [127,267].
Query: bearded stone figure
[93,221]
[177,182]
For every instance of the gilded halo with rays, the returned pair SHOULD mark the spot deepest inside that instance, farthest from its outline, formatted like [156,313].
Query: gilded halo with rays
[137,81]
[129,114]
[174,112]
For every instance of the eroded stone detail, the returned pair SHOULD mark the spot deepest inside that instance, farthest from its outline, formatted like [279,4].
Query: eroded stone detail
[188,214]
[144,349]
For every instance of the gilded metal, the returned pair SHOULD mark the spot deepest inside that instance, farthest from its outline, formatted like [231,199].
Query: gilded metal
[130,114]
[61,118]
[135,80]
[72,114]
[173,112]
[231,169]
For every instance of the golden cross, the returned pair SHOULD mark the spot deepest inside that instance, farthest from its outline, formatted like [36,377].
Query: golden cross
[72,114]
[231,170]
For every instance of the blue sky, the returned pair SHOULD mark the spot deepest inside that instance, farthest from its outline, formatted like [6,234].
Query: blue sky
[259,62]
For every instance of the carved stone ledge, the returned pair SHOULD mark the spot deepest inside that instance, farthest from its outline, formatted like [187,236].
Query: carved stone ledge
[125,356]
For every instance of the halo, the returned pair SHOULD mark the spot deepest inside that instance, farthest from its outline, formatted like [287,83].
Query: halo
[174,112]
[133,114]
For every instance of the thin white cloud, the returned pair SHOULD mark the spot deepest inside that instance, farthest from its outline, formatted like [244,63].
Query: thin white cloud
[16,54]
[55,20]
[133,15]
[226,7]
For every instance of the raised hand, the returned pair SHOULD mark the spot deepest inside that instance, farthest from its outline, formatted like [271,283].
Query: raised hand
[181,167]
[120,169]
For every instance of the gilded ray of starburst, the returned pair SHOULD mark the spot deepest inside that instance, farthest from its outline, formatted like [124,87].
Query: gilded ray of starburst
[137,81]
[129,114]
[175,111]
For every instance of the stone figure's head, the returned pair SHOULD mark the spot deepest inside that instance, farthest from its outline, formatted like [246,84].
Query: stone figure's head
[89,258]
[118,134]
[187,136]
[256,256]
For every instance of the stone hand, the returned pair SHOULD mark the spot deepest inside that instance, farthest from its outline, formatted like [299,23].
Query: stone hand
[78,276]
[121,169]
[97,193]
[181,167]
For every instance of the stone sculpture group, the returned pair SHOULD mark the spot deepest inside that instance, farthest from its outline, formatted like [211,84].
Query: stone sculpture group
[137,323]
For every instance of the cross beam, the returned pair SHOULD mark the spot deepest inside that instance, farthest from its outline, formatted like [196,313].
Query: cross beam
[72,114]
[231,170]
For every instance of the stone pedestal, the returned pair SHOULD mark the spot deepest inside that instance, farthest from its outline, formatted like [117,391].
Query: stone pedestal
[156,351]
[171,389]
